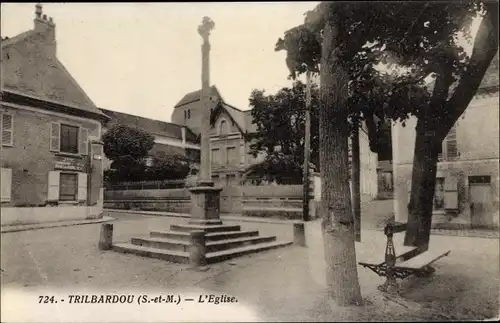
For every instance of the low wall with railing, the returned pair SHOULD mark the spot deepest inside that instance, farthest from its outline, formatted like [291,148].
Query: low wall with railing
[281,201]
[277,201]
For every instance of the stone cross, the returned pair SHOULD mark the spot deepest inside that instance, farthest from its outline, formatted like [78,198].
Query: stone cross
[205,28]
[207,25]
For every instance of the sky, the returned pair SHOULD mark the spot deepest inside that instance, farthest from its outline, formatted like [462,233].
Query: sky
[142,58]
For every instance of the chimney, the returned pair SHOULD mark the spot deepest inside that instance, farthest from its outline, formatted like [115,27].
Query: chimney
[183,132]
[44,25]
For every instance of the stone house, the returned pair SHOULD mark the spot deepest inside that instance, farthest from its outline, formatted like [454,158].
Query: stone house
[467,183]
[51,156]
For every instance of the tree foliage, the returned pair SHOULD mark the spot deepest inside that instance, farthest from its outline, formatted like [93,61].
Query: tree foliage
[122,140]
[168,167]
[280,168]
[417,36]
[280,122]
[129,147]
[416,41]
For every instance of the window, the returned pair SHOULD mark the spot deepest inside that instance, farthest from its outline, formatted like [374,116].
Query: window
[223,128]
[439,194]
[215,157]
[189,113]
[231,157]
[7,129]
[68,187]
[230,179]
[69,139]
[479,179]
[242,154]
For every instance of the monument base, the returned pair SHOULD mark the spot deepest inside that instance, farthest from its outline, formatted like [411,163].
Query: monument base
[205,205]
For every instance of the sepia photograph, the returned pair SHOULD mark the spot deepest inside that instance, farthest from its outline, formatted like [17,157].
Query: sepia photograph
[332,161]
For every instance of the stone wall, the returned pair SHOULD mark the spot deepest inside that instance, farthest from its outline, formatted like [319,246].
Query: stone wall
[284,201]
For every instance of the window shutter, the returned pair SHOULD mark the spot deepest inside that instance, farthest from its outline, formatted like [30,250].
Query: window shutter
[82,186]
[6,179]
[53,190]
[84,139]
[242,154]
[451,144]
[7,130]
[55,136]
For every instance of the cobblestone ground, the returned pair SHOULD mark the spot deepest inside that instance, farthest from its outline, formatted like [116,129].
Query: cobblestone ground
[274,285]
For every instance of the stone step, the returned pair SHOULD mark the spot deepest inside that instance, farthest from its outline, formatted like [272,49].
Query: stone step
[204,222]
[219,256]
[179,245]
[206,228]
[231,244]
[161,243]
[179,257]
[212,236]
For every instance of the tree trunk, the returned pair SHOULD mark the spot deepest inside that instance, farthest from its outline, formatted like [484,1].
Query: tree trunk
[336,212]
[423,184]
[355,182]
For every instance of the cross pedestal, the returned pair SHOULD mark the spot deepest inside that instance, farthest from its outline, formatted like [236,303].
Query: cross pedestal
[205,205]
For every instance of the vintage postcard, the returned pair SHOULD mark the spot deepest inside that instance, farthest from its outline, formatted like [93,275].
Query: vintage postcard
[250,161]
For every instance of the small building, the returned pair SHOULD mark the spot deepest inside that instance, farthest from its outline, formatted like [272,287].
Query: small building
[467,179]
[51,155]
[170,138]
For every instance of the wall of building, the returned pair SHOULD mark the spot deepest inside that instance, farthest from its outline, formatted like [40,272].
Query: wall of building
[30,158]
[477,133]
[192,120]
[227,151]
[368,167]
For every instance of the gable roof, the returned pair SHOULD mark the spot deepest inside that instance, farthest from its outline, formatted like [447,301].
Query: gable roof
[156,127]
[196,96]
[490,79]
[234,114]
[30,67]
[241,118]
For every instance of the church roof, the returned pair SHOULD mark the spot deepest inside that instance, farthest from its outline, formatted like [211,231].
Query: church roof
[155,127]
[195,96]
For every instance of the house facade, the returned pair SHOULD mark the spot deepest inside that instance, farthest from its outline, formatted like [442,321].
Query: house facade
[51,154]
[467,179]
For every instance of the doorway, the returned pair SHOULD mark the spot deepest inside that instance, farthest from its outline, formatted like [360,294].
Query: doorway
[481,202]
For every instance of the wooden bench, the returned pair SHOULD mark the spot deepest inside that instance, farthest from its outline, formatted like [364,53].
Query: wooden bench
[409,261]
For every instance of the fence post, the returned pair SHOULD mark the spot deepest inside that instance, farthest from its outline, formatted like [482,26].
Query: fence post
[106,238]
[299,235]
[197,249]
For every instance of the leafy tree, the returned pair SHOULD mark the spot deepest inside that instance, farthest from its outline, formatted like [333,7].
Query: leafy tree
[278,167]
[348,41]
[127,147]
[128,168]
[280,121]
[168,167]
[122,140]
